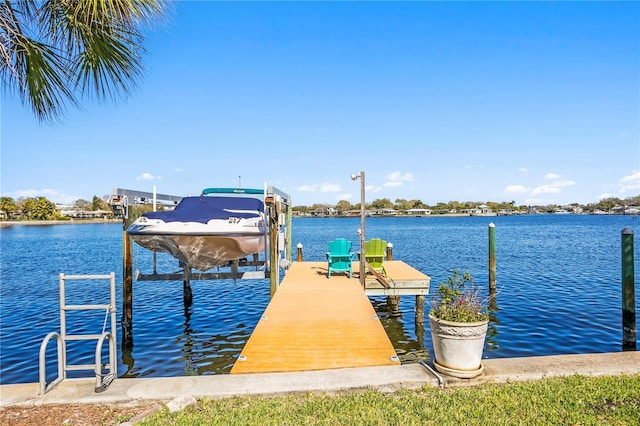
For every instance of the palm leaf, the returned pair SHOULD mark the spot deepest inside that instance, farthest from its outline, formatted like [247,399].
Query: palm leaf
[53,50]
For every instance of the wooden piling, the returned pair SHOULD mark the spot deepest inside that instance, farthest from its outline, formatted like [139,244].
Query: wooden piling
[299,253]
[492,260]
[629,331]
[394,306]
[127,287]
[187,293]
[419,309]
[393,301]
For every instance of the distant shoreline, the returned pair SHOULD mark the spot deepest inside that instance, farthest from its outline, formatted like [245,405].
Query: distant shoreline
[8,223]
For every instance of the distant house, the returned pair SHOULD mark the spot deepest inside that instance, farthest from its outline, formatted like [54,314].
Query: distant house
[324,211]
[632,210]
[87,214]
[385,212]
[319,212]
[482,210]
[418,212]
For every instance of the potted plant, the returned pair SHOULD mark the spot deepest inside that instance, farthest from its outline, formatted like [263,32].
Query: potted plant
[458,319]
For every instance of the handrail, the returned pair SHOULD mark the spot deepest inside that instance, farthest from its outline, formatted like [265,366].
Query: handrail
[44,388]
[104,380]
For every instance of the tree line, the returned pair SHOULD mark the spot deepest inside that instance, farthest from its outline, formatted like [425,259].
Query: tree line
[40,208]
[400,204]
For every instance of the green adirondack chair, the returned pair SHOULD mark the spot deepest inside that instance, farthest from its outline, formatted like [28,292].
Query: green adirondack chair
[339,256]
[375,253]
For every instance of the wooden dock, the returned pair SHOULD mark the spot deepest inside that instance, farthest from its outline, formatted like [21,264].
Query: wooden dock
[316,323]
[402,278]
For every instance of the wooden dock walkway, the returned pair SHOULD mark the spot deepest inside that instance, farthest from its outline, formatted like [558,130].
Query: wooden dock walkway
[316,323]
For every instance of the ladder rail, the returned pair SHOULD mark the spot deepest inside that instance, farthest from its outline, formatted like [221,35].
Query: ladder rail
[102,380]
[44,387]
[86,307]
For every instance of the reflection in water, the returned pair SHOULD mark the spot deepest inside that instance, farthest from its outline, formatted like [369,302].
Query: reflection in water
[186,340]
[491,342]
[409,344]
[127,358]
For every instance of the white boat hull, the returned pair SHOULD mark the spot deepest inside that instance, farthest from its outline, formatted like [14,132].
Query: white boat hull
[203,252]
[204,232]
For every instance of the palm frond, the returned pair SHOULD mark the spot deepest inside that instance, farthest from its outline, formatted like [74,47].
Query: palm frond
[36,70]
[109,65]
[53,50]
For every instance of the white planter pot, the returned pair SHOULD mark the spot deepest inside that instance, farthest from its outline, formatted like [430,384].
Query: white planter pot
[458,346]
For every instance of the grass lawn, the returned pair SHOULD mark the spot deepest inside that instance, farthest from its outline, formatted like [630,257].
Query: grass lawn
[572,400]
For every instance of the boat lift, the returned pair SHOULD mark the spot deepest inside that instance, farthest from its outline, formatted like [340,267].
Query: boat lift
[277,255]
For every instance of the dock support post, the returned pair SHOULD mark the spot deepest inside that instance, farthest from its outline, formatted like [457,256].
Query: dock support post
[389,251]
[299,256]
[419,309]
[394,306]
[273,245]
[629,330]
[187,294]
[127,285]
[289,231]
[492,260]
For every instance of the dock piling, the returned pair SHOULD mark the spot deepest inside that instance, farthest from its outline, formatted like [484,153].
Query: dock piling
[629,331]
[299,252]
[419,309]
[492,260]
[187,294]
[127,288]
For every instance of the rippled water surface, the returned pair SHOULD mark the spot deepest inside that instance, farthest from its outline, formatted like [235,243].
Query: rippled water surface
[558,276]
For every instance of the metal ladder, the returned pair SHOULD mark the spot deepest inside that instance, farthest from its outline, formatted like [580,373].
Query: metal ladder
[103,380]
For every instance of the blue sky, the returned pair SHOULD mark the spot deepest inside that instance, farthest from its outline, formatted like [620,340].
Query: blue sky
[532,102]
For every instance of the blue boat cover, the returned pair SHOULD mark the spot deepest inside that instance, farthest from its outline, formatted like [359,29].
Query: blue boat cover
[202,209]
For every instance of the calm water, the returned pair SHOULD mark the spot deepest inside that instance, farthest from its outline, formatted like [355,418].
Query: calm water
[558,281]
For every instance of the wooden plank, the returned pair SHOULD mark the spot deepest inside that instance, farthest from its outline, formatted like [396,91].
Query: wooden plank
[378,276]
[316,323]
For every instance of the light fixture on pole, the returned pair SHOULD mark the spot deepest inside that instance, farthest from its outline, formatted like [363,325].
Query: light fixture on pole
[362,233]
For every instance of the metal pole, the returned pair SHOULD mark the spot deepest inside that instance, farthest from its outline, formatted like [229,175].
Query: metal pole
[629,330]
